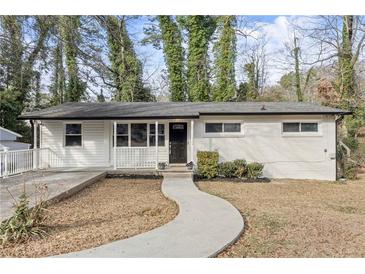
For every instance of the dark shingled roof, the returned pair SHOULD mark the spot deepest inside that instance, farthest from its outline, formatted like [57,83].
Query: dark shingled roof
[116,110]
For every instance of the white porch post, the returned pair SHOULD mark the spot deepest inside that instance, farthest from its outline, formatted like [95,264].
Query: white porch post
[5,162]
[192,140]
[35,150]
[156,144]
[115,145]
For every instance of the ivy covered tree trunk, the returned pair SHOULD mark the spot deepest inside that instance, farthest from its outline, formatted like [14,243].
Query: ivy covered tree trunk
[298,88]
[18,57]
[125,66]
[174,57]
[252,90]
[200,29]
[225,56]
[58,85]
[346,64]
[75,89]
[12,55]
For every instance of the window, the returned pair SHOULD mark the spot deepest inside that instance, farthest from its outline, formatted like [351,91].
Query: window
[222,127]
[161,135]
[122,135]
[291,127]
[138,135]
[73,135]
[300,127]
[309,127]
[213,127]
[232,127]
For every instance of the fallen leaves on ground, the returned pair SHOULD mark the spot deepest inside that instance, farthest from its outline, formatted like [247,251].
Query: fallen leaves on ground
[106,211]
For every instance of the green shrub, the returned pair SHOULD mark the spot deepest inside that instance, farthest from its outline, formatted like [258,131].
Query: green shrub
[208,164]
[350,170]
[351,142]
[24,224]
[227,169]
[254,170]
[241,168]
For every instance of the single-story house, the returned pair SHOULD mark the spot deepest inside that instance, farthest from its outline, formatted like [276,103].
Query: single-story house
[292,140]
[8,140]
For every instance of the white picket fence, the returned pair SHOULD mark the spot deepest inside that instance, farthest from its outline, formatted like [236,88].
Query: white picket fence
[19,161]
[135,157]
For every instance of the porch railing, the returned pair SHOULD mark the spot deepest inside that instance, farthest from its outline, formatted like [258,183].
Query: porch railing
[18,161]
[135,157]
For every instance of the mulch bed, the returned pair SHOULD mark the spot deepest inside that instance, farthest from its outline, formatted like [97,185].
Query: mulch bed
[198,178]
[106,211]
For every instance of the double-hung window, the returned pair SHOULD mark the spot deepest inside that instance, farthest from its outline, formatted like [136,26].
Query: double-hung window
[160,133]
[122,135]
[138,135]
[73,135]
[222,127]
[290,127]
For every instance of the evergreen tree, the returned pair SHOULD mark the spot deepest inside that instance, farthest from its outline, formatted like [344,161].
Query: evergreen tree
[225,56]
[125,66]
[200,29]
[174,57]
[75,89]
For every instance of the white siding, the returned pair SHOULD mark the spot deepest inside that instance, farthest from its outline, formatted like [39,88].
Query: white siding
[93,152]
[302,156]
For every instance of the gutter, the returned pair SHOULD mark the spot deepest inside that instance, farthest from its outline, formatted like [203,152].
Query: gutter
[183,116]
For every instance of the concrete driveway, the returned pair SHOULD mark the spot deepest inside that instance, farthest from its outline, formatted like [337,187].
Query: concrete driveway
[55,184]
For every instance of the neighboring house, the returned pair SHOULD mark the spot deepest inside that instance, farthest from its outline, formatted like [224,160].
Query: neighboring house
[293,140]
[8,140]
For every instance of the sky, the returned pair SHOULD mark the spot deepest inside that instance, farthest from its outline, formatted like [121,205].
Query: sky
[275,28]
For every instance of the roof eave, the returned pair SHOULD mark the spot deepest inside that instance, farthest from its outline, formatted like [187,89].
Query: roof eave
[108,118]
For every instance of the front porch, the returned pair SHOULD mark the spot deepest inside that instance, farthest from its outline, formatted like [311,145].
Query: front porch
[144,145]
[110,145]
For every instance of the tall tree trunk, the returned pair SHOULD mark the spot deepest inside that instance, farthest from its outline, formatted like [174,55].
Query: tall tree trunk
[200,29]
[71,38]
[297,71]
[225,56]
[126,68]
[346,66]
[174,56]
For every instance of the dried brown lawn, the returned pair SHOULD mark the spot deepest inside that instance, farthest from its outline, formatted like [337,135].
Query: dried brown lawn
[109,210]
[297,218]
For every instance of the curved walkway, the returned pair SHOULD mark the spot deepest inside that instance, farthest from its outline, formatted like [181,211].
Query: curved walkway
[204,226]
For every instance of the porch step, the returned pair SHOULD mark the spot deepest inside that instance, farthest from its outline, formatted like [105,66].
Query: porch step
[176,169]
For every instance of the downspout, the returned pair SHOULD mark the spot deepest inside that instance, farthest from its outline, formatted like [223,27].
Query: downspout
[338,119]
[32,133]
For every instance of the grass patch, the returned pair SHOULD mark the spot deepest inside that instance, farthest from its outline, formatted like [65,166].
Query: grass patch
[296,218]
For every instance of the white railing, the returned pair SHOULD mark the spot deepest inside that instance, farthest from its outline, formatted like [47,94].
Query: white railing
[135,157]
[18,161]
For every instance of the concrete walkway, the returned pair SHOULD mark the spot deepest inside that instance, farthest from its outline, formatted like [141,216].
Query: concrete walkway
[59,185]
[204,226]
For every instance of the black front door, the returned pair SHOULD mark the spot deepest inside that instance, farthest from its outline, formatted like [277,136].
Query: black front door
[178,137]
